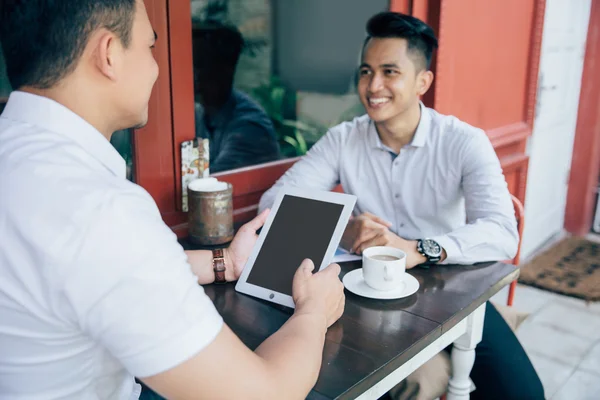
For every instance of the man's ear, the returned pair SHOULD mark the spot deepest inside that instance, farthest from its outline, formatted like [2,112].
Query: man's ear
[106,55]
[424,81]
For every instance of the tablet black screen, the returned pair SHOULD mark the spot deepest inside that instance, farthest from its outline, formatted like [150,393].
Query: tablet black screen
[301,229]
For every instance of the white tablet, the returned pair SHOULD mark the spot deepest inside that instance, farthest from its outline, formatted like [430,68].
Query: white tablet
[303,223]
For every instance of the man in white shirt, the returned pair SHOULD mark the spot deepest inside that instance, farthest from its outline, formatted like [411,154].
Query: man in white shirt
[427,183]
[94,288]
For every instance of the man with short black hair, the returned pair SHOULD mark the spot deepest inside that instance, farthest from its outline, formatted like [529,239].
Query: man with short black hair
[94,288]
[426,183]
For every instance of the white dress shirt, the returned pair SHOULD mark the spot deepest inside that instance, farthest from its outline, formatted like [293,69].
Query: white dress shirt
[447,184]
[94,288]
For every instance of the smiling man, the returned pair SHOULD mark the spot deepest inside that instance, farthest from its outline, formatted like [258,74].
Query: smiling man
[426,183]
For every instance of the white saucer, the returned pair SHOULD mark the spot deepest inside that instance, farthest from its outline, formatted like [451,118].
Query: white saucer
[354,282]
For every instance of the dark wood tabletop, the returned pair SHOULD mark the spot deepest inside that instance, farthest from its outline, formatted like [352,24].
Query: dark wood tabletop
[373,337]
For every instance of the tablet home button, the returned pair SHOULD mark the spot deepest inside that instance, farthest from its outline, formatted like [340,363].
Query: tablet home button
[271,295]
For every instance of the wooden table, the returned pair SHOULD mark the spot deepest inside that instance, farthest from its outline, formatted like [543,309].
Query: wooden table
[378,343]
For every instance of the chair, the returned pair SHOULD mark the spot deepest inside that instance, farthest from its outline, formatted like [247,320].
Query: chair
[520,216]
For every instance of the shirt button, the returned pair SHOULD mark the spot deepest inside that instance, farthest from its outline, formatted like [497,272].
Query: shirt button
[397,195]
[401,225]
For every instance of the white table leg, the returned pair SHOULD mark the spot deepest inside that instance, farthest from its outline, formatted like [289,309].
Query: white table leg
[463,356]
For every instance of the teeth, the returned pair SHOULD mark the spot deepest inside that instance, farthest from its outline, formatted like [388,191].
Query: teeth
[378,101]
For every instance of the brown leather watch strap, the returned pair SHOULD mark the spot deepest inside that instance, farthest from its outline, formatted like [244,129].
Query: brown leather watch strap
[219,265]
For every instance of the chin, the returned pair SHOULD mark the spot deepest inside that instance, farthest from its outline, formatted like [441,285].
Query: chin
[378,117]
[141,122]
[140,125]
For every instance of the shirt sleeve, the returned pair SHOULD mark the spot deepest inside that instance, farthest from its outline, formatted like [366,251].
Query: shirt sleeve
[133,291]
[491,230]
[318,169]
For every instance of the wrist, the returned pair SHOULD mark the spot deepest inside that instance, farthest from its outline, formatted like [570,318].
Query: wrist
[318,319]
[229,268]
[421,259]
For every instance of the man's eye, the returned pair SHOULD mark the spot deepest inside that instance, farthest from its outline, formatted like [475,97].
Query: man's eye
[364,72]
[390,72]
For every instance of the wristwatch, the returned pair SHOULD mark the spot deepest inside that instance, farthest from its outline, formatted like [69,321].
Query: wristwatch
[219,265]
[430,249]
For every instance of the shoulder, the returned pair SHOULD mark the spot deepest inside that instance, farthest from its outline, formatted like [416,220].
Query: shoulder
[246,105]
[451,131]
[352,130]
[249,115]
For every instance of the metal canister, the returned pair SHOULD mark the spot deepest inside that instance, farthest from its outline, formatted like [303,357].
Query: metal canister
[210,216]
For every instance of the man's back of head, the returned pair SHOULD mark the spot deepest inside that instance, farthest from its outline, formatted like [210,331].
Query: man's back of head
[92,56]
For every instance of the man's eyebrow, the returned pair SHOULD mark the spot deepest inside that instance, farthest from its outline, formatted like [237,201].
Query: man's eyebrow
[364,65]
[392,65]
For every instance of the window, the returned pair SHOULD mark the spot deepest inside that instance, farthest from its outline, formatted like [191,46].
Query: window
[264,87]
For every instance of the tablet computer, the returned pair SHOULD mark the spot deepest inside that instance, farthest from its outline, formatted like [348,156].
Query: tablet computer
[303,223]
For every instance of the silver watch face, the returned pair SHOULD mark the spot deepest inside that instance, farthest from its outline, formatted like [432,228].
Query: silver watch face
[431,247]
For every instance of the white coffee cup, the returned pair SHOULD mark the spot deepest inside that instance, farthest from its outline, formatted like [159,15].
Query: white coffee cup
[383,267]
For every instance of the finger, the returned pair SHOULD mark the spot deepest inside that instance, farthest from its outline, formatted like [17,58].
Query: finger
[364,237]
[258,221]
[376,241]
[333,269]
[377,219]
[307,267]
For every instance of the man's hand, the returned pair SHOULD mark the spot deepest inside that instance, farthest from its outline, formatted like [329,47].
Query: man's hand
[240,248]
[368,230]
[320,294]
[363,228]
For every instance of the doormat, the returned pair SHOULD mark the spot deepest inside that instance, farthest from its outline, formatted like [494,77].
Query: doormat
[571,267]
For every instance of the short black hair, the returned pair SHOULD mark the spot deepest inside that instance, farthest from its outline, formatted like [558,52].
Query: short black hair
[43,40]
[216,43]
[420,36]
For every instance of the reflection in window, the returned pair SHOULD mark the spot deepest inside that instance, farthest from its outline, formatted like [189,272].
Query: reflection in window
[245,110]
[5,88]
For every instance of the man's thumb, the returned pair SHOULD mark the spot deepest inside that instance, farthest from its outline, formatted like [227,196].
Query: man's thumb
[307,266]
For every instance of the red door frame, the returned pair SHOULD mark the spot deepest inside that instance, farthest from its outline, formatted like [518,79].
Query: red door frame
[171,110]
[585,165]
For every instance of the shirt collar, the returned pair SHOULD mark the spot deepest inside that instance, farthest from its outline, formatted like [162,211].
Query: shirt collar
[418,140]
[52,116]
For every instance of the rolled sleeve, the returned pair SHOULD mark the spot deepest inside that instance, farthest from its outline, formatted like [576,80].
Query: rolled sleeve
[453,253]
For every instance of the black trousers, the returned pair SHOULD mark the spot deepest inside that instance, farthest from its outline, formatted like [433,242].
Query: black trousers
[502,369]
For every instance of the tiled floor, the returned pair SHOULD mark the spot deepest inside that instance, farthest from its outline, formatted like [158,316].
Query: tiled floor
[562,337]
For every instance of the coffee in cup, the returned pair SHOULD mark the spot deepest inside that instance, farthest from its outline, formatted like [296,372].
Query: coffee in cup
[384,267]
[385,257]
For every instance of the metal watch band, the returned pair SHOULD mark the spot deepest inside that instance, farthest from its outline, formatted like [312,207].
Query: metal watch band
[219,265]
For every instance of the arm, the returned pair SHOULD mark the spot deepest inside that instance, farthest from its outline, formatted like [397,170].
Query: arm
[318,169]
[287,362]
[491,230]
[139,300]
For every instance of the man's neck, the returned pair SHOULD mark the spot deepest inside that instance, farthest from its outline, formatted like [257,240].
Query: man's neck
[399,132]
[79,103]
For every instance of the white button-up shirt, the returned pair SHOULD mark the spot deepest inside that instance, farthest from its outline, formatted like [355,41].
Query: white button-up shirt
[94,288]
[447,184]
